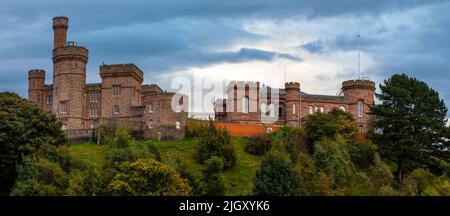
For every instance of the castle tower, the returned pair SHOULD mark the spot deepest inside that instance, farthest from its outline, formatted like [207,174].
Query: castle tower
[69,77]
[36,83]
[293,103]
[243,102]
[359,94]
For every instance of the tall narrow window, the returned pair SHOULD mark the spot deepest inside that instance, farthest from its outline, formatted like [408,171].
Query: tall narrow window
[150,108]
[361,129]
[49,99]
[360,109]
[178,125]
[311,110]
[94,112]
[150,124]
[280,111]
[116,109]
[63,107]
[245,104]
[322,110]
[316,109]
[116,90]
[293,108]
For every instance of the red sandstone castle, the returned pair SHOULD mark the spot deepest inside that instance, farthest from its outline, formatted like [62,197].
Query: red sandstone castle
[119,97]
[250,103]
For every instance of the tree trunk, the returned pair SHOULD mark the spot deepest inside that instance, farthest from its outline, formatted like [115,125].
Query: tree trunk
[400,172]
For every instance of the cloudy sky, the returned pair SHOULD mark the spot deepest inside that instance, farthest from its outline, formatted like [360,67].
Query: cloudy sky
[315,41]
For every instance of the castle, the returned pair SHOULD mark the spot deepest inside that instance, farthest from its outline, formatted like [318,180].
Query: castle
[251,103]
[120,96]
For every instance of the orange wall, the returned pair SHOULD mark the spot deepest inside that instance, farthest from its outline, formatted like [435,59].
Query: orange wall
[243,130]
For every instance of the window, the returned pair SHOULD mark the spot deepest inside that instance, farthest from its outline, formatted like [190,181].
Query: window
[94,112]
[92,126]
[150,124]
[322,110]
[178,125]
[360,109]
[342,108]
[64,126]
[361,129]
[63,107]
[49,99]
[311,110]
[93,97]
[280,111]
[116,90]
[293,108]
[316,109]
[116,109]
[245,104]
[150,108]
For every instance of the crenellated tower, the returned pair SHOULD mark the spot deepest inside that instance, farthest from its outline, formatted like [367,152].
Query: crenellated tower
[69,77]
[359,94]
[36,85]
[292,103]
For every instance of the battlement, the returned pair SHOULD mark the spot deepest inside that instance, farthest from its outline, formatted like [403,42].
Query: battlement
[72,52]
[240,84]
[292,85]
[36,73]
[60,22]
[358,84]
[151,88]
[121,70]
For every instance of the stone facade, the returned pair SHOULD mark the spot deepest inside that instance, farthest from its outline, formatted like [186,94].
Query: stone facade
[120,97]
[290,105]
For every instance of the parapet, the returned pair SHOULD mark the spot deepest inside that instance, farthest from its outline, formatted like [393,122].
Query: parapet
[121,70]
[36,73]
[71,51]
[152,88]
[60,22]
[358,84]
[292,85]
[240,84]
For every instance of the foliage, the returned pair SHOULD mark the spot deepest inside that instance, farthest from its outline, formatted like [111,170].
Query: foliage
[424,183]
[362,153]
[216,142]
[329,125]
[258,145]
[147,177]
[212,183]
[23,128]
[409,124]
[276,176]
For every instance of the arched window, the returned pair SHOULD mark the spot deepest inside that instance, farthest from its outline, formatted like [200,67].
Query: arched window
[342,108]
[322,110]
[293,108]
[245,104]
[178,125]
[311,110]
[316,109]
[360,109]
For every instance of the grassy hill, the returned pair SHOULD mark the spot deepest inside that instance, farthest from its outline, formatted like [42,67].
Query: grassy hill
[239,179]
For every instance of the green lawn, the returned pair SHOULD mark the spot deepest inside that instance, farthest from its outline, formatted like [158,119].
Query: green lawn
[239,179]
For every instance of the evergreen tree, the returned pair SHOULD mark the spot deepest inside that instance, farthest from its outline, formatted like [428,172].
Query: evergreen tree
[409,124]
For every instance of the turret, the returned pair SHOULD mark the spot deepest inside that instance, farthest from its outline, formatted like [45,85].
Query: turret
[359,94]
[292,103]
[36,83]
[60,26]
[69,77]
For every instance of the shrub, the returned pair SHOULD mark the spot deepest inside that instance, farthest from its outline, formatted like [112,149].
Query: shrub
[147,177]
[212,183]
[216,142]
[258,145]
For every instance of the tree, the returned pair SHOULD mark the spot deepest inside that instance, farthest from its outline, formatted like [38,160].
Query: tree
[212,182]
[276,176]
[148,177]
[216,142]
[409,123]
[23,128]
[329,125]
[258,145]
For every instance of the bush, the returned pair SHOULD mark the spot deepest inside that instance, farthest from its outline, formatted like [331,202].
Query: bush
[258,145]
[212,183]
[276,176]
[362,154]
[147,177]
[216,142]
